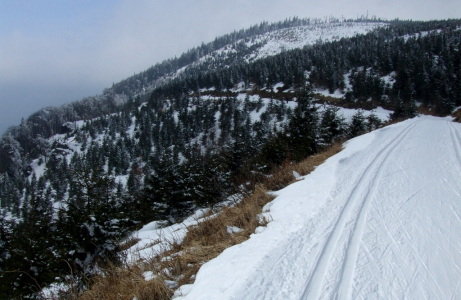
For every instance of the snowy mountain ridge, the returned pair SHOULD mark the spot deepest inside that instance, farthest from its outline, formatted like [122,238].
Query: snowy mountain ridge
[269,44]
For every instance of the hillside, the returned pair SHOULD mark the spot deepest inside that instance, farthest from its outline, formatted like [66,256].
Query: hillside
[189,132]
[379,220]
[244,46]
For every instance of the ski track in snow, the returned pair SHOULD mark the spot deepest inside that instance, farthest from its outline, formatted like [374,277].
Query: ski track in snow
[380,220]
[355,199]
[456,137]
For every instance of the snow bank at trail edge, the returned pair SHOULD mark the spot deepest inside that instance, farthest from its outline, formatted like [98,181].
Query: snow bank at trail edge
[379,220]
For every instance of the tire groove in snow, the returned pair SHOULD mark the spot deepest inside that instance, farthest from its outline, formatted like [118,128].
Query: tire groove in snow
[315,282]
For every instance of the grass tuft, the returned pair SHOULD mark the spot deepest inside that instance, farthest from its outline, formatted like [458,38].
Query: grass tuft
[126,283]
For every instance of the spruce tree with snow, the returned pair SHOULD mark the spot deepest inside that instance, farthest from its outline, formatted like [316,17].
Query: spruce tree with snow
[373,122]
[303,128]
[88,228]
[332,125]
[358,124]
[207,180]
[31,261]
[164,197]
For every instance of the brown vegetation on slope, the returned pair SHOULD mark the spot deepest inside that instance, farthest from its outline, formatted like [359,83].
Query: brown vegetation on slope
[203,242]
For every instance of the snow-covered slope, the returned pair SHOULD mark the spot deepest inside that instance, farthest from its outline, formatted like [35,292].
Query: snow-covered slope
[264,45]
[272,43]
[380,220]
[298,37]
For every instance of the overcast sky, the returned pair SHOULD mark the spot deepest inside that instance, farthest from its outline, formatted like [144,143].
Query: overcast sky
[57,51]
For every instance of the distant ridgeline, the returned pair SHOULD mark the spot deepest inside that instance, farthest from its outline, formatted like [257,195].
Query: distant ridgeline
[190,131]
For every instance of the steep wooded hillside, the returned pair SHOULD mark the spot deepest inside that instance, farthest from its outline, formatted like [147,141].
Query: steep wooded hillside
[190,131]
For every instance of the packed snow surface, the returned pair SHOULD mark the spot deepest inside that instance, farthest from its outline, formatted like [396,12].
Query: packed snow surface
[379,220]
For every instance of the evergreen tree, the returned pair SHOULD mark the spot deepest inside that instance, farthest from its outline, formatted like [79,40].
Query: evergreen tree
[89,230]
[373,122]
[358,124]
[207,180]
[303,128]
[164,192]
[31,262]
[332,125]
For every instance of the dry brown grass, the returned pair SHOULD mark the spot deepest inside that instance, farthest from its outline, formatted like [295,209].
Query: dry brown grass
[308,165]
[125,284]
[209,238]
[457,115]
[284,176]
[203,242]
[425,110]
[328,99]
[129,243]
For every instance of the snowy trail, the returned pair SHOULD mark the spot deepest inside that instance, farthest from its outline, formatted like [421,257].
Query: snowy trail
[370,175]
[380,220]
